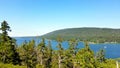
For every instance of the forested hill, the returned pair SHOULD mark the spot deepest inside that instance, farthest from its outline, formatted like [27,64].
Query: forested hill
[97,35]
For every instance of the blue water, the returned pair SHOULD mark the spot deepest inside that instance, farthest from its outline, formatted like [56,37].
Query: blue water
[111,50]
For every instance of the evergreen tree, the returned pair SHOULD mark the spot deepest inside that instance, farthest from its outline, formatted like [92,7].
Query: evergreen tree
[41,52]
[49,55]
[101,56]
[28,54]
[71,54]
[54,62]
[61,53]
[8,53]
[42,55]
[31,55]
[85,58]
[22,52]
[4,28]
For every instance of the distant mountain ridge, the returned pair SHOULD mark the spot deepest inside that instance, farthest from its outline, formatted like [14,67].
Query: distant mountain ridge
[98,35]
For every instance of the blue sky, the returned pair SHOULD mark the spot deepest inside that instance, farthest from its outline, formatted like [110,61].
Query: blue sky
[37,17]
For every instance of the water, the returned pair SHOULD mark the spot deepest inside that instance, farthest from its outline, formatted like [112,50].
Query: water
[111,50]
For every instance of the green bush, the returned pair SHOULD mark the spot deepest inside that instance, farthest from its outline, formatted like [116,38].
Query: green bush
[108,64]
[11,66]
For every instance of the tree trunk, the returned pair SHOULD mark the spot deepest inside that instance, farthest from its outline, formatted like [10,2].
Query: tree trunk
[117,65]
[59,61]
[73,64]
[74,61]
[41,60]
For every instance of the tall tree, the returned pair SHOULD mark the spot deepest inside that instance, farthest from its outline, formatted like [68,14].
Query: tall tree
[28,54]
[85,58]
[71,53]
[61,56]
[5,28]
[41,52]
[101,56]
[8,53]
[49,55]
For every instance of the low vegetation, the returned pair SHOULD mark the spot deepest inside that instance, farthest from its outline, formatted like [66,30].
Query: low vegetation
[2,65]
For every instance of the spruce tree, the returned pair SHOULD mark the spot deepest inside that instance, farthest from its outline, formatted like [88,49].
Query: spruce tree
[49,55]
[28,54]
[8,53]
[61,56]
[72,51]
[101,56]
[85,58]
[41,52]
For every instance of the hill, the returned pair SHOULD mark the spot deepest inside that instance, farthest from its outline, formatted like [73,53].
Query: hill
[98,35]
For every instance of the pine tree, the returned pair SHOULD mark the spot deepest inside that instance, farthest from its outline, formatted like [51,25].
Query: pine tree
[41,52]
[61,56]
[101,56]
[49,55]
[4,28]
[28,54]
[71,53]
[85,58]
[31,55]
[22,50]
[8,53]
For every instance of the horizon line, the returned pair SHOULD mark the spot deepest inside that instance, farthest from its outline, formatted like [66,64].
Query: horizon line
[62,29]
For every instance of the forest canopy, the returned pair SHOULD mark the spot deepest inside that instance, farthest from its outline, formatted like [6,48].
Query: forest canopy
[28,55]
[96,35]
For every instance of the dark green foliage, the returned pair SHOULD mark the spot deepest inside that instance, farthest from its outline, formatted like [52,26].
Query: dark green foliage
[96,35]
[44,54]
[41,52]
[85,58]
[101,56]
[8,53]
[60,53]
[71,53]
[30,55]
[49,55]
[5,28]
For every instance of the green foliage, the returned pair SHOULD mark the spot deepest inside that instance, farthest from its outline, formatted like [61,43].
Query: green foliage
[96,35]
[8,53]
[11,66]
[85,58]
[110,63]
[30,55]
[49,55]
[71,53]
[42,53]
[101,56]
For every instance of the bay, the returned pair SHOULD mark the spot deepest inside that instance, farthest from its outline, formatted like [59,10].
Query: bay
[111,50]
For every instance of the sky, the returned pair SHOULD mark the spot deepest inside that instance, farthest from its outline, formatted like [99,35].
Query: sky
[38,17]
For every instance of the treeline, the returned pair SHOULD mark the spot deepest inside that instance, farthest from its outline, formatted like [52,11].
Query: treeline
[42,55]
[96,35]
